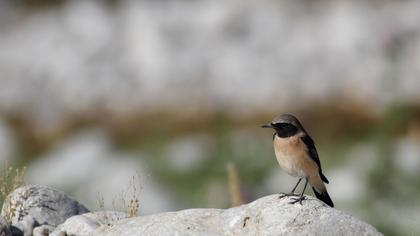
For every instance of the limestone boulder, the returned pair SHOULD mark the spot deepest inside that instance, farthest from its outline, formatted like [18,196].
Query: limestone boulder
[33,206]
[265,216]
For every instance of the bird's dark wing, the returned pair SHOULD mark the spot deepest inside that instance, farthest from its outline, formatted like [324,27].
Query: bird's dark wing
[313,154]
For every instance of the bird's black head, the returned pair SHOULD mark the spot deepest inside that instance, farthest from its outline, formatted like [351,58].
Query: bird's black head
[285,125]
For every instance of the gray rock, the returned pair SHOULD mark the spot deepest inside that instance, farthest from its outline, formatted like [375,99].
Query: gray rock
[25,225]
[43,230]
[85,224]
[32,205]
[265,216]
[4,228]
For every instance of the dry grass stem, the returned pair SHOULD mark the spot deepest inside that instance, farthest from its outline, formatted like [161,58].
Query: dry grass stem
[236,198]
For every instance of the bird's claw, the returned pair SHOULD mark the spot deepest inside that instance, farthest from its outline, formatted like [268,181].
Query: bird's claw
[291,194]
[299,199]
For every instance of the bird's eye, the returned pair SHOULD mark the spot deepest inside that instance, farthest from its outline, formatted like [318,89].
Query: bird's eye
[288,127]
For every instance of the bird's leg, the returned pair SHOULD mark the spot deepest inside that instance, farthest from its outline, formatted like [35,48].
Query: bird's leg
[292,193]
[301,197]
[293,190]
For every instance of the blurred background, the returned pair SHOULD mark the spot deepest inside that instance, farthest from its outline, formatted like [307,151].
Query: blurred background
[95,92]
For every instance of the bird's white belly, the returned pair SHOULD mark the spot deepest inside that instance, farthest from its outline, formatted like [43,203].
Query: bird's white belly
[290,164]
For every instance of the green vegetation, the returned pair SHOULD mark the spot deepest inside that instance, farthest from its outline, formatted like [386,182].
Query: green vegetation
[249,148]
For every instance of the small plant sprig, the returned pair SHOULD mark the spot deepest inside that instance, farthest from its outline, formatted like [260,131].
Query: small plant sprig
[236,197]
[128,199]
[101,201]
[11,179]
[133,193]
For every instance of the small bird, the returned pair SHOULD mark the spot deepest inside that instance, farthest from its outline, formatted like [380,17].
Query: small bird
[296,154]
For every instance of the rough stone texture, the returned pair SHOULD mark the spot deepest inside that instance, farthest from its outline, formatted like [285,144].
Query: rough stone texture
[32,205]
[4,228]
[265,216]
[24,226]
[85,224]
[43,230]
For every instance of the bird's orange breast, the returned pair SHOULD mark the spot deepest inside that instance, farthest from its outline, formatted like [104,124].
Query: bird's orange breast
[292,156]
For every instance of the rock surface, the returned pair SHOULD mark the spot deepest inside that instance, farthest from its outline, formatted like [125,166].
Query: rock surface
[265,216]
[32,205]
[38,211]
[43,230]
[85,224]
[4,228]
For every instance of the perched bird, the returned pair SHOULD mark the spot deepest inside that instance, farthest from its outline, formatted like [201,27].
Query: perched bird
[296,154]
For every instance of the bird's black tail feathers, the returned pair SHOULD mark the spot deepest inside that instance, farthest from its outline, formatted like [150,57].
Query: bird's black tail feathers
[324,197]
[324,179]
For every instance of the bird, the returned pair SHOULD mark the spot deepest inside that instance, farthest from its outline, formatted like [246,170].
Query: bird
[296,153]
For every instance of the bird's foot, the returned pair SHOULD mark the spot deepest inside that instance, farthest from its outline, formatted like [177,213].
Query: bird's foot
[282,195]
[299,199]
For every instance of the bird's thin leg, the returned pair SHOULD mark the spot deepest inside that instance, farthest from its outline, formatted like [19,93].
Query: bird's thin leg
[293,190]
[292,193]
[301,197]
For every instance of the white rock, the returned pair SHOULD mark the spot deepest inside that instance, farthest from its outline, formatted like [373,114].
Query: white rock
[407,155]
[4,228]
[85,224]
[33,205]
[265,216]
[25,225]
[187,153]
[43,230]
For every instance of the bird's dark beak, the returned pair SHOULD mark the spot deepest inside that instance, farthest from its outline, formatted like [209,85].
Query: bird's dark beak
[267,126]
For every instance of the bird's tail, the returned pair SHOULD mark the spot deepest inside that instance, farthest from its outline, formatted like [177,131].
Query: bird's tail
[323,196]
